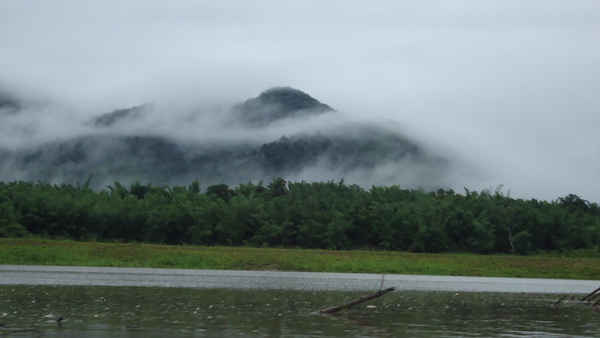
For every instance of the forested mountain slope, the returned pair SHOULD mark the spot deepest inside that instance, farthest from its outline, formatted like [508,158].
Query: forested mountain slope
[308,141]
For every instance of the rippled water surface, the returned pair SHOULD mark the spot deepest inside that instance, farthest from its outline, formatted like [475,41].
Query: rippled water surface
[103,311]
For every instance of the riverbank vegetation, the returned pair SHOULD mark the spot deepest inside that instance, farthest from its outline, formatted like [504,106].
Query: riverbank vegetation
[325,215]
[70,253]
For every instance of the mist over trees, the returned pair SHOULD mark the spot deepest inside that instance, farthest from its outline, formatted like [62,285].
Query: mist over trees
[8,105]
[324,215]
[283,132]
[137,164]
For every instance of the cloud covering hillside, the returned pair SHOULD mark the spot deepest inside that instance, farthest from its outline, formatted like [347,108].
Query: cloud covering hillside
[283,132]
[488,94]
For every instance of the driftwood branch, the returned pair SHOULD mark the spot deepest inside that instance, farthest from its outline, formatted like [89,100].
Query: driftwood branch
[560,300]
[592,295]
[356,301]
[589,298]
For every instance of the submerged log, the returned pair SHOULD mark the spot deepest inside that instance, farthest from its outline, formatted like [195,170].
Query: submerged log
[356,301]
[592,295]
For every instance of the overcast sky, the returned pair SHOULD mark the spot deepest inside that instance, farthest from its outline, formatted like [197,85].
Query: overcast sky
[511,88]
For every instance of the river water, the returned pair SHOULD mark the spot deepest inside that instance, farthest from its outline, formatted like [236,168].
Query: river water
[115,302]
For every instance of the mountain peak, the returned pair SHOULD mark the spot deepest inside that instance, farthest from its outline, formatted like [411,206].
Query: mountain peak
[290,98]
[279,103]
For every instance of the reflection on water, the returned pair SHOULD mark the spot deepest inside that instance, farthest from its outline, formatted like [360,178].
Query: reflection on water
[140,311]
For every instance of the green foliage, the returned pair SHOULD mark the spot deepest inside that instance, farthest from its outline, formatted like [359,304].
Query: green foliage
[522,242]
[219,191]
[9,222]
[325,215]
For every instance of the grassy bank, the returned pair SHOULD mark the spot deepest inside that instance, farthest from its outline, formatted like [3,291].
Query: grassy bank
[49,252]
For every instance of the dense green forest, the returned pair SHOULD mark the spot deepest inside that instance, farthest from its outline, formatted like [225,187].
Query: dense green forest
[326,215]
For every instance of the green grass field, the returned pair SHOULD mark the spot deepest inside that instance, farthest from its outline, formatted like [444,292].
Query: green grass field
[52,252]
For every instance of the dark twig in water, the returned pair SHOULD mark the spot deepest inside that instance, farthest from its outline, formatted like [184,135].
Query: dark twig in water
[560,300]
[354,302]
[591,295]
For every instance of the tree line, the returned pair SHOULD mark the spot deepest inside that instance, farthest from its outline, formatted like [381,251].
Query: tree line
[323,215]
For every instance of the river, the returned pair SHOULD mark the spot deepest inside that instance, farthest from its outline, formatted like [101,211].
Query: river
[135,302]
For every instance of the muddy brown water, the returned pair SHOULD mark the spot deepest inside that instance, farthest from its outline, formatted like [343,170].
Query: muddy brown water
[100,302]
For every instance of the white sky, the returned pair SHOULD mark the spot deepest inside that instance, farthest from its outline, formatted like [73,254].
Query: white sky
[512,88]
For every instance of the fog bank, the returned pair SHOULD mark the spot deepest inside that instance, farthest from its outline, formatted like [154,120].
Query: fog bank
[505,92]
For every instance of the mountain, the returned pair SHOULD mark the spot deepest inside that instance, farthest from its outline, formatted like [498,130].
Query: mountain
[368,153]
[277,104]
